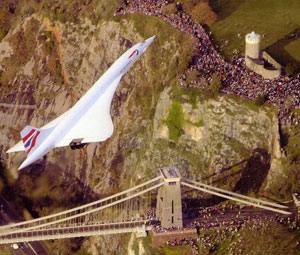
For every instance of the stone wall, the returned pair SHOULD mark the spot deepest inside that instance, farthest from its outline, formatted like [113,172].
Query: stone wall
[271,60]
[260,69]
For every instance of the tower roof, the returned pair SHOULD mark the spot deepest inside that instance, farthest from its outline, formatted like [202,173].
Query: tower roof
[252,37]
[170,174]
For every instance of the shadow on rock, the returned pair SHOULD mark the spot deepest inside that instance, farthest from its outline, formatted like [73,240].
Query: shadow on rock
[255,172]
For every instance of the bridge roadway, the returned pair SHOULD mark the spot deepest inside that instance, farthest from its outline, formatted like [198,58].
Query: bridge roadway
[78,230]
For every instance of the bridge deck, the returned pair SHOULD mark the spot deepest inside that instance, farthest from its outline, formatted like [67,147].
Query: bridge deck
[75,231]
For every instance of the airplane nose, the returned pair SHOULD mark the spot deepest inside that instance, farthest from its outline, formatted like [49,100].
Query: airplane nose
[148,42]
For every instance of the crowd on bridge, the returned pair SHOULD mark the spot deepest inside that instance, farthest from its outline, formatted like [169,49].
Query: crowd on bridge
[235,77]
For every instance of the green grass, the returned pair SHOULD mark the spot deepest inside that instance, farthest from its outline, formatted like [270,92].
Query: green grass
[272,238]
[275,19]
[192,95]
[293,49]
[72,11]
[175,121]
[180,250]
[251,105]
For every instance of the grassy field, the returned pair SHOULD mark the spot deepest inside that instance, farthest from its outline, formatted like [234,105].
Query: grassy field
[293,49]
[273,20]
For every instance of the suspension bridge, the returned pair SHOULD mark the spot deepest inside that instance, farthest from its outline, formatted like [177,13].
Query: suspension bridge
[125,212]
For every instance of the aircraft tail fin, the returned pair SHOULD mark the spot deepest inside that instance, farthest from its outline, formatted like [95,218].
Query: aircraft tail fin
[32,137]
[29,137]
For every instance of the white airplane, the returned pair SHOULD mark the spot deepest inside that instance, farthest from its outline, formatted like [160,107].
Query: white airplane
[87,121]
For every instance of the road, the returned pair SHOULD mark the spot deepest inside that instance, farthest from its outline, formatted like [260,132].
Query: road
[9,213]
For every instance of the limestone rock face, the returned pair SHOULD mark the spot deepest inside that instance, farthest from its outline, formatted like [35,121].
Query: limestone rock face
[217,134]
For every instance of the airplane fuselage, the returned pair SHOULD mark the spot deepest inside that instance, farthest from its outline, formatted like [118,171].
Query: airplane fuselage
[116,71]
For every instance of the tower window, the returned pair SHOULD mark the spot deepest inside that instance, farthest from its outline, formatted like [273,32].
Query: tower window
[172,206]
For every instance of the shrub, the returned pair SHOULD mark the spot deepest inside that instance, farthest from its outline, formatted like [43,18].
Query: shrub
[203,13]
[260,100]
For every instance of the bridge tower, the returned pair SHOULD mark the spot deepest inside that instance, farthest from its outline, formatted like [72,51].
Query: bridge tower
[168,208]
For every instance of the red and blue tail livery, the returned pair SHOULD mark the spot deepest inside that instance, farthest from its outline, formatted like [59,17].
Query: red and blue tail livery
[29,136]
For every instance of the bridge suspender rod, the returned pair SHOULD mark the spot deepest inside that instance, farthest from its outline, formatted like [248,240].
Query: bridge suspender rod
[80,207]
[235,199]
[81,214]
[234,194]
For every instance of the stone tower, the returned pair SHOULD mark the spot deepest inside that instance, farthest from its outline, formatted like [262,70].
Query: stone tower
[252,46]
[261,63]
[169,209]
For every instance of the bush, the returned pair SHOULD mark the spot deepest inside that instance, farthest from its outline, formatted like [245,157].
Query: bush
[260,100]
[203,13]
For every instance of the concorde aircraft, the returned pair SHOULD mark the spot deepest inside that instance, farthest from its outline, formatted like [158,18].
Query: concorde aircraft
[87,121]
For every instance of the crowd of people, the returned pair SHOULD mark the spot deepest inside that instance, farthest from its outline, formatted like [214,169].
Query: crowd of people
[235,77]
[192,243]
[227,221]
[150,214]
[231,230]
[159,229]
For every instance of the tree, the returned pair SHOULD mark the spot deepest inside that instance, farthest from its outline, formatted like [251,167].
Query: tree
[203,13]
[260,99]
[215,85]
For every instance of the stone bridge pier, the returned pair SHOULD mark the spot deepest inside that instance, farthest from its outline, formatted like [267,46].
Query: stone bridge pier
[169,208]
